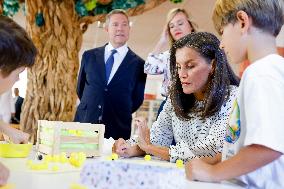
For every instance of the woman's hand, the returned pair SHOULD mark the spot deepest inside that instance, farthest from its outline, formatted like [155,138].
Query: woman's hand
[120,146]
[143,133]
[123,149]
[164,39]
[163,42]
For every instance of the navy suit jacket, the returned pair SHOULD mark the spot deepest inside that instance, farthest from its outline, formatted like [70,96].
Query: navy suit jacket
[18,107]
[111,104]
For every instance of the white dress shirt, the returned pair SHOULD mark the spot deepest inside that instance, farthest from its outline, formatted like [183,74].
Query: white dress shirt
[118,57]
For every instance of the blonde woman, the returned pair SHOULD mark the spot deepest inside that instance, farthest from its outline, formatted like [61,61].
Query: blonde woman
[179,24]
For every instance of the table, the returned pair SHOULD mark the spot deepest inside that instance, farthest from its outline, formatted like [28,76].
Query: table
[22,177]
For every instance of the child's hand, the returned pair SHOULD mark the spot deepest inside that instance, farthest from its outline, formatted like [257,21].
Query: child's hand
[17,136]
[4,174]
[197,169]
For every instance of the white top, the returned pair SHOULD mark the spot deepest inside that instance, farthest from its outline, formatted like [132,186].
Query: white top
[118,57]
[15,99]
[157,64]
[194,138]
[7,106]
[257,118]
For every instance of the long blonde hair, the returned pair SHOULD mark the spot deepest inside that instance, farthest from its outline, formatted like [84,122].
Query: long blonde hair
[172,13]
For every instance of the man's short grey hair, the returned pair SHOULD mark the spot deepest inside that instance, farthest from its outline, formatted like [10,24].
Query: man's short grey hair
[116,11]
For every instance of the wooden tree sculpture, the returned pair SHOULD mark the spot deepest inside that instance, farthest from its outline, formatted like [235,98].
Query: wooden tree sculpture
[57,31]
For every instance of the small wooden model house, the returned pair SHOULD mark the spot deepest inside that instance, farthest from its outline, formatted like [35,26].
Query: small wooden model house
[55,137]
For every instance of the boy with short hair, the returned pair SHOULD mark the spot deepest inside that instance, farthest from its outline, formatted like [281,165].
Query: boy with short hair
[16,53]
[254,147]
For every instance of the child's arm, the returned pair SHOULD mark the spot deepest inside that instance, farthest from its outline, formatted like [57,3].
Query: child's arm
[15,135]
[247,160]
[212,160]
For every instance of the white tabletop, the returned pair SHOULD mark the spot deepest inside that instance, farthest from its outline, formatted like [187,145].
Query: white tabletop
[22,177]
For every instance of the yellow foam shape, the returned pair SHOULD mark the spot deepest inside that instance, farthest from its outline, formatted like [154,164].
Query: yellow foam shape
[72,132]
[63,159]
[8,186]
[56,158]
[9,150]
[77,186]
[40,166]
[48,158]
[77,163]
[147,157]
[82,156]
[179,163]
[55,168]
[72,160]
[79,133]
[114,156]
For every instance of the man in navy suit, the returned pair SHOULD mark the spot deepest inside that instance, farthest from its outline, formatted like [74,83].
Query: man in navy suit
[111,81]
[18,100]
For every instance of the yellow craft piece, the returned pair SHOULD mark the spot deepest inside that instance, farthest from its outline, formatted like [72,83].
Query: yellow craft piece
[78,163]
[147,157]
[77,186]
[74,155]
[82,156]
[48,158]
[10,186]
[72,160]
[79,133]
[114,156]
[109,158]
[179,163]
[77,159]
[40,166]
[9,150]
[55,168]
[72,132]
[56,158]
[63,159]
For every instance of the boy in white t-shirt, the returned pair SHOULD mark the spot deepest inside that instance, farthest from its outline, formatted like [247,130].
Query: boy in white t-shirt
[254,147]
[17,52]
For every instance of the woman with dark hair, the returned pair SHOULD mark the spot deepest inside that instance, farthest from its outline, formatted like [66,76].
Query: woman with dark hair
[196,114]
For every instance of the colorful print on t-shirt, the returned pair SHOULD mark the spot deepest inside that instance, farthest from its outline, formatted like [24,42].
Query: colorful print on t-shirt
[234,126]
